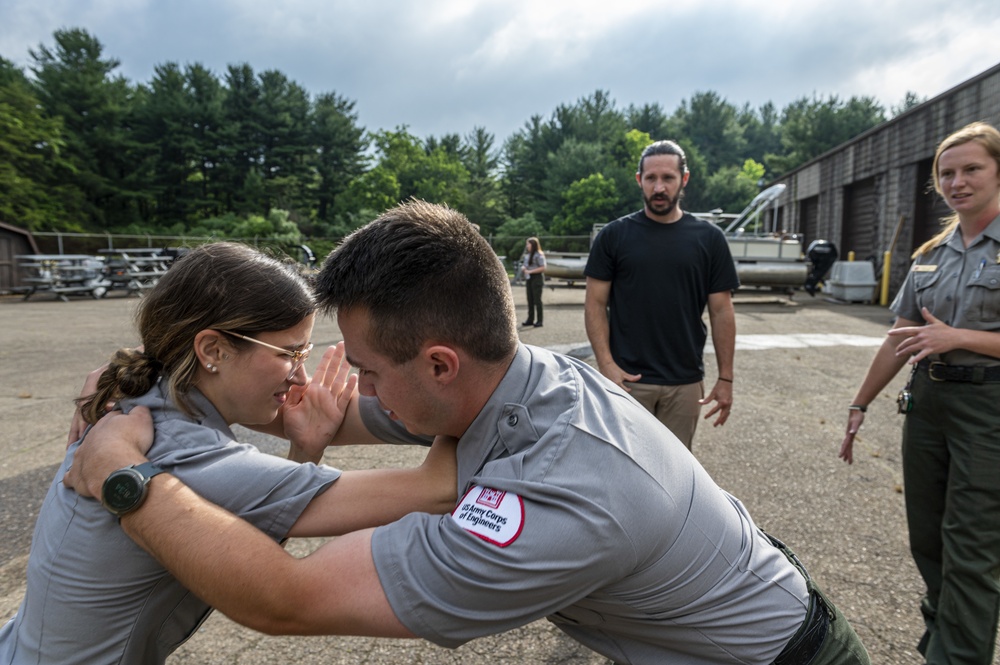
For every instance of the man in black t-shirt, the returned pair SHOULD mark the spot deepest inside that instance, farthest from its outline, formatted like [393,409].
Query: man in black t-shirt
[650,276]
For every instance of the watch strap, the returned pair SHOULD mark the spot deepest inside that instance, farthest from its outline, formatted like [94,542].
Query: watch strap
[148,470]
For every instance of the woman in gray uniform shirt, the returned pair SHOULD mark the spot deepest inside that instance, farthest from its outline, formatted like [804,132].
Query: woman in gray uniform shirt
[533,265]
[225,334]
[948,328]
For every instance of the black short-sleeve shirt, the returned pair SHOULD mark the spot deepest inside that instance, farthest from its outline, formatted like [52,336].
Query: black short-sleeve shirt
[661,276]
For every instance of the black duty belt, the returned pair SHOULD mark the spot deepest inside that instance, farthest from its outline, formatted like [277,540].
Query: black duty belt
[808,639]
[805,644]
[939,371]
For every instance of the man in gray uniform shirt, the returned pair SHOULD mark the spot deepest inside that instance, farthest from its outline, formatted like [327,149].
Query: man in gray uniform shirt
[577,504]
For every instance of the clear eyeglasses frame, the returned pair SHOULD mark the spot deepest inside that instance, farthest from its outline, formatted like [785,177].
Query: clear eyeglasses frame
[298,357]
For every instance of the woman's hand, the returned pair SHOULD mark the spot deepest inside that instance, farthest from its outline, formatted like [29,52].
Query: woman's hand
[921,341]
[314,412]
[854,419]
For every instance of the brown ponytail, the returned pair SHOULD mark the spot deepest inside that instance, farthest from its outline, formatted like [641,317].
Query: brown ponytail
[130,373]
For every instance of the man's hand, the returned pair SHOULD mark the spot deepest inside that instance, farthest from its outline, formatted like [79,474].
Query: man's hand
[612,371]
[116,441]
[722,395]
[314,412]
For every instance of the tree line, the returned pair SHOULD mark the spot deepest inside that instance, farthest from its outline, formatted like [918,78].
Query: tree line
[251,153]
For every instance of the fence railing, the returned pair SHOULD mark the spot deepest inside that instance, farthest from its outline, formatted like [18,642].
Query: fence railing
[59,242]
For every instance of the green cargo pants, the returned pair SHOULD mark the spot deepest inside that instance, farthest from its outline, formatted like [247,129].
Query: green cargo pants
[951,474]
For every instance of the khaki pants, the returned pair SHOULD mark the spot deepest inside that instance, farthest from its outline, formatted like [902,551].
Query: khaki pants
[675,406]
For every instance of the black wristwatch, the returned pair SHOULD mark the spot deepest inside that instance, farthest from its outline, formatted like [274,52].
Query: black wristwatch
[125,489]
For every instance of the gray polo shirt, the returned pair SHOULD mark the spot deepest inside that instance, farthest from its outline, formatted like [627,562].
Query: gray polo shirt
[958,285]
[581,507]
[94,596]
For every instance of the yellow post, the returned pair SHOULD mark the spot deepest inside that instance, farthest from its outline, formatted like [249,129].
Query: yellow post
[884,294]
[887,262]
[850,255]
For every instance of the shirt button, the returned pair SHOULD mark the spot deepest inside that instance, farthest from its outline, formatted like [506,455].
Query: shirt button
[511,420]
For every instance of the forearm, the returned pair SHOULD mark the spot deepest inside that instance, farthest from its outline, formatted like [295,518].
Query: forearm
[595,319]
[884,367]
[303,455]
[983,342]
[275,428]
[242,572]
[367,498]
[353,430]
[228,562]
[724,341]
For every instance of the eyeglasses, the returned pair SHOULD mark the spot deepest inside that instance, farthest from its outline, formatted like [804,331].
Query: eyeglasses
[298,357]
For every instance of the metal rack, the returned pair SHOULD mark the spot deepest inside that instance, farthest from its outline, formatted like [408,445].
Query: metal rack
[135,270]
[63,275]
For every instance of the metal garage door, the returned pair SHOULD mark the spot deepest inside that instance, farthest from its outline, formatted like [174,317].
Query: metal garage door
[860,218]
[809,219]
[929,208]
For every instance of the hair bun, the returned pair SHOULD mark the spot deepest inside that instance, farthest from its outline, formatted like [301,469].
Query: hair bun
[155,365]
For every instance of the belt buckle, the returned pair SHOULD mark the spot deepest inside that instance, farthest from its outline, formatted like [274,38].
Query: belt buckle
[930,369]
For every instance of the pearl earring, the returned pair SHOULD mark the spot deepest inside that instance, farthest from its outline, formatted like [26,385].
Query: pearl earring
[211,368]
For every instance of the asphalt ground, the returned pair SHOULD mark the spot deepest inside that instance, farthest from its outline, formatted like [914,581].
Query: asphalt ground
[777,453]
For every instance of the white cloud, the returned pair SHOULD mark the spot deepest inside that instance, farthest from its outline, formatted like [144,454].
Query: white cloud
[446,65]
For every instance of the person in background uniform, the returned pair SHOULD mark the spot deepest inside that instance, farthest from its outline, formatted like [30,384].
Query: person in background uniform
[948,329]
[534,270]
[577,504]
[650,276]
[225,332]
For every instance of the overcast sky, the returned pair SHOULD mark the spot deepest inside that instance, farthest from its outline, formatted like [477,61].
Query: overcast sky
[447,66]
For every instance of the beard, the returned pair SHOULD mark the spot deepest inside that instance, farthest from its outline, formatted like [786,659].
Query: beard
[662,204]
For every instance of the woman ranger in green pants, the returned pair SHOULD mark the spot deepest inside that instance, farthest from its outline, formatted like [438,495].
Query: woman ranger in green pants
[948,329]
[533,265]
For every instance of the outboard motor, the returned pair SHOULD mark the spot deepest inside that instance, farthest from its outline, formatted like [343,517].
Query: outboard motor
[308,257]
[822,254]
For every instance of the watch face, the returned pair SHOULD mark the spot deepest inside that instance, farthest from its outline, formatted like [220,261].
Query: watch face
[123,490]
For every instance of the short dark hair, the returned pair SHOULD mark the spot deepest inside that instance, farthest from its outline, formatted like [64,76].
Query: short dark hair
[423,272]
[664,148]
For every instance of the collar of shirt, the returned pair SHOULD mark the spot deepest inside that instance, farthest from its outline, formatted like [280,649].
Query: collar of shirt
[993,230]
[503,427]
[954,240]
[162,408]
